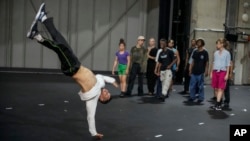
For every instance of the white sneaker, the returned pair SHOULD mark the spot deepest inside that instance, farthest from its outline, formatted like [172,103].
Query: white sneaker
[33,30]
[40,13]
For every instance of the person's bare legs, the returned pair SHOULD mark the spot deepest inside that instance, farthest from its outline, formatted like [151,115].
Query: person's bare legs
[123,82]
[219,95]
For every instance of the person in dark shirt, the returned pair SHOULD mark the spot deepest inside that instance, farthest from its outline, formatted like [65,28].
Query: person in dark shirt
[186,68]
[163,69]
[138,59]
[197,68]
[151,77]
[163,44]
[227,89]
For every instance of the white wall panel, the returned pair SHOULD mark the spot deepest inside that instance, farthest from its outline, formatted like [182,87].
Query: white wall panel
[33,54]
[101,38]
[59,11]
[133,25]
[85,32]
[118,26]
[152,19]
[92,28]
[17,39]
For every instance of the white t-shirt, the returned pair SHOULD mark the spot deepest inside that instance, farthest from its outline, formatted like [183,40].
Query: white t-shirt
[157,55]
[91,97]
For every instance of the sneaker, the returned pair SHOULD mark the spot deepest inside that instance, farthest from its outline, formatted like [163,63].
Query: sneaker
[122,94]
[150,93]
[40,13]
[127,94]
[218,108]
[213,107]
[199,101]
[189,101]
[162,98]
[33,30]
[226,105]
[167,96]
[213,99]
[184,92]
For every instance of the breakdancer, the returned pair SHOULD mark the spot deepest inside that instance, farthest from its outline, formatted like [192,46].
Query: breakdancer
[92,86]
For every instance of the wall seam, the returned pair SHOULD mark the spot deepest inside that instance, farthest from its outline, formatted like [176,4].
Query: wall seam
[93,35]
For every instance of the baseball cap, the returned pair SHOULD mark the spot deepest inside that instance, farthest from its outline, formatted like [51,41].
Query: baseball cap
[141,38]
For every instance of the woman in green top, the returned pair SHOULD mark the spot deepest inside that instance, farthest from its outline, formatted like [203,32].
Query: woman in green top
[122,59]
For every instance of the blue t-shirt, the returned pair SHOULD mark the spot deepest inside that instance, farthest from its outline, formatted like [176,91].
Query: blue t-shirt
[122,58]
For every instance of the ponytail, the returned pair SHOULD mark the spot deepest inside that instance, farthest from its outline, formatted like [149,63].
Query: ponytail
[122,42]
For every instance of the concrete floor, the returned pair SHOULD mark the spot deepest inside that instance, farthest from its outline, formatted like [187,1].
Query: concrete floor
[46,107]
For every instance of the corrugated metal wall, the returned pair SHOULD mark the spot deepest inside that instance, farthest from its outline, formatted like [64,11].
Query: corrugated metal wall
[92,27]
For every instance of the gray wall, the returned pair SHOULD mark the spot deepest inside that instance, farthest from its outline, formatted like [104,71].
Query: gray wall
[92,27]
[152,19]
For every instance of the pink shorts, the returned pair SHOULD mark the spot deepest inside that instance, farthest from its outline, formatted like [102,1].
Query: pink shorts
[218,80]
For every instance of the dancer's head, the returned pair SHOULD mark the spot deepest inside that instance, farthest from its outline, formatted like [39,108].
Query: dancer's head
[151,42]
[122,45]
[221,43]
[163,43]
[105,96]
[200,42]
[140,40]
[171,43]
[193,42]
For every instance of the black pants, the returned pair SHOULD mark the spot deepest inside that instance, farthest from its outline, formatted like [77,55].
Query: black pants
[187,79]
[135,70]
[227,92]
[151,77]
[69,62]
[158,87]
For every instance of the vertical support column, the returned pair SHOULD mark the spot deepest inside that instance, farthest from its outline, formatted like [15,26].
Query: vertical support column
[238,64]
[9,43]
[170,19]
[231,20]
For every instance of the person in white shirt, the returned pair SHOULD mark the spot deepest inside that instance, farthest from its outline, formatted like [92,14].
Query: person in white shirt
[92,86]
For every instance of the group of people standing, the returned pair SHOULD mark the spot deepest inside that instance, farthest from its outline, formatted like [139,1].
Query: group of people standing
[161,64]
[221,72]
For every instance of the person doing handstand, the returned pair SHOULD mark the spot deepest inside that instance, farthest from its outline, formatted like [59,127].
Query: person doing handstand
[92,86]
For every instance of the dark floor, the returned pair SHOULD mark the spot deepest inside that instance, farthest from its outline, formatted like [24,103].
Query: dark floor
[46,107]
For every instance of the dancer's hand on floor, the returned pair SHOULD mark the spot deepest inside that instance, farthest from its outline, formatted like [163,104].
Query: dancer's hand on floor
[115,84]
[99,136]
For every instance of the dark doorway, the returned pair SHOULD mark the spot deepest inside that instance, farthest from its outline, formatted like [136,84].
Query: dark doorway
[174,23]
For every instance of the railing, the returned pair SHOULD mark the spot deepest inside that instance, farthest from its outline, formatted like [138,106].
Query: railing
[206,30]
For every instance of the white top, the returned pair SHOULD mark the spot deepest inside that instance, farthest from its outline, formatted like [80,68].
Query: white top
[91,97]
[221,61]
[157,55]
